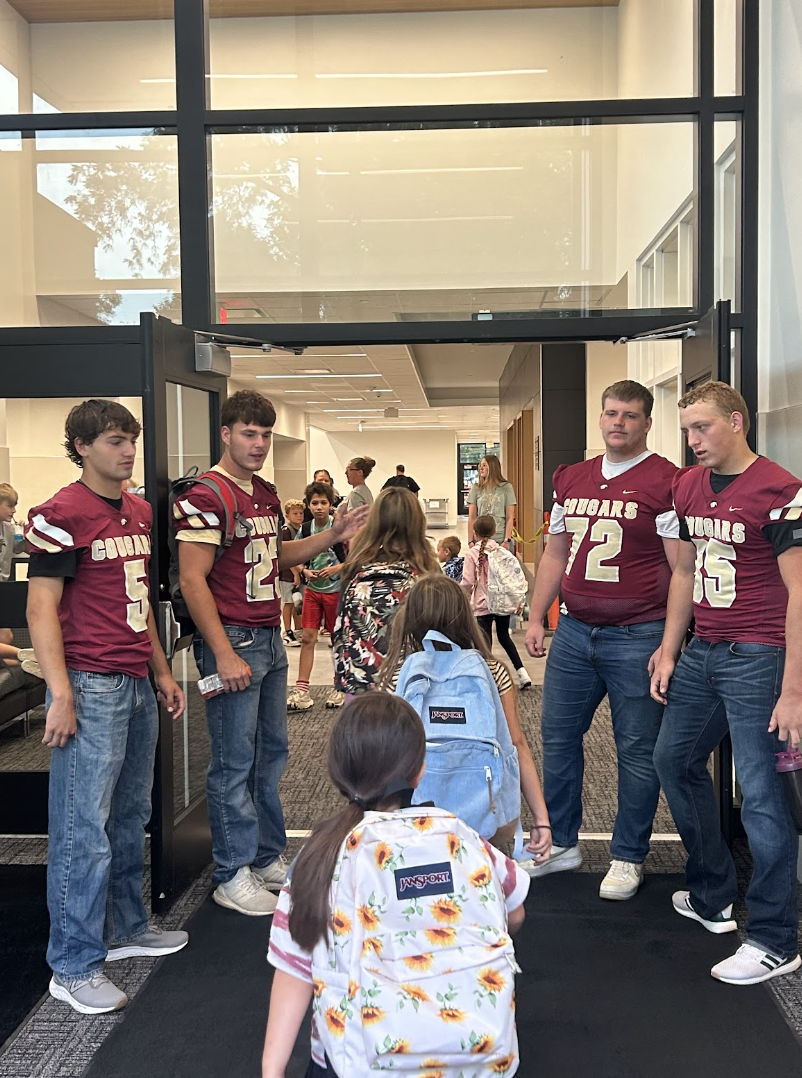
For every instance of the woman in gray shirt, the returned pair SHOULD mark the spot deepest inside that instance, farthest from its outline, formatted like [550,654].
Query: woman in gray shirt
[356,472]
[492,496]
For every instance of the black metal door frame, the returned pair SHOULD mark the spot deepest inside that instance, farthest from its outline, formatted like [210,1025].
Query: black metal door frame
[101,361]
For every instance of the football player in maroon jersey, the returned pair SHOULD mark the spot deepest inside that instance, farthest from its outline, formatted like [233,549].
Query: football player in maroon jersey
[235,602]
[612,541]
[94,634]
[739,574]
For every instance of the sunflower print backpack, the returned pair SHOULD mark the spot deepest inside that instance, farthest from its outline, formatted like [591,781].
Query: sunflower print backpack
[420,974]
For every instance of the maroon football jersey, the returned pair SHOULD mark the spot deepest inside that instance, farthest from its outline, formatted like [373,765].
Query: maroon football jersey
[104,609]
[738,591]
[244,581]
[617,573]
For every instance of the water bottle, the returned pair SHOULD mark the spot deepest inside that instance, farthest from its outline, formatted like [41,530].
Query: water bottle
[789,768]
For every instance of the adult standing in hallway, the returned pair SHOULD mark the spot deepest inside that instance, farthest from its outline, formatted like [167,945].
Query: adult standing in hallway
[613,541]
[95,637]
[401,479]
[235,602]
[356,472]
[739,574]
[492,495]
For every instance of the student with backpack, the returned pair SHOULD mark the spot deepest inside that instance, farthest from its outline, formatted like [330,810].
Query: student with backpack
[321,576]
[439,661]
[384,560]
[395,922]
[497,587]
[290,578]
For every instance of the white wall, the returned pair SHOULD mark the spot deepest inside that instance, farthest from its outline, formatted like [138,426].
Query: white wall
[605,363]
[429,456]
[780,236]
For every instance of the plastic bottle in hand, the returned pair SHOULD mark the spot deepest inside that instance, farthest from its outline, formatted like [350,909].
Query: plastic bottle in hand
[789,768]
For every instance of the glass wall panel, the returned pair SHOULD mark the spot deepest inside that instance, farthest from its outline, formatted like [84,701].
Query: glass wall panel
[59,62]
[421,223]
[726,71]
[728,212]
[94,233]
[538,52]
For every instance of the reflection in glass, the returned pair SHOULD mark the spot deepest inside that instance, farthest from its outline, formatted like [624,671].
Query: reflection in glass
[65,64]
[727,37]
[95,236]
[728,212]
[533,52]
[417,223]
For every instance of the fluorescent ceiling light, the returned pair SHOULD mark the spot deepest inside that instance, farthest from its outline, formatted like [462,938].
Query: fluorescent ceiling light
[336,355]
[428,220]
[316,402]
[432,74]
[313,370]
[380,391]
[296,390]
[426,171]
[314,377]
[417,426]
[353,410]
[349,398]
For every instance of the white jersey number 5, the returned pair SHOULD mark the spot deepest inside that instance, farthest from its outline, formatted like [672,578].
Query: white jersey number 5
[136,588]
[717,582]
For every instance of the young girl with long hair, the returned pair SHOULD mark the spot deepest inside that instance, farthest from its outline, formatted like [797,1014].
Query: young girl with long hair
[492,495]
[385,558]
[439,603]
[345,911]
[474,580]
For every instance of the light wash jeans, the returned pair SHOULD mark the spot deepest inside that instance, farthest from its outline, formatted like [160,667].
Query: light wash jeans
[100,787]
[718,688]
[585,663]
[248,732]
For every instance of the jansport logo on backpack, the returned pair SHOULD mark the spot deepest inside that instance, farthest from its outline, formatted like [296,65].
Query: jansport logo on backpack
[506,583]
[471,762]
[424,967]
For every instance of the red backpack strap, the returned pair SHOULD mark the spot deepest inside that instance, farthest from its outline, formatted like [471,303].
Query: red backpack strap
[221,487]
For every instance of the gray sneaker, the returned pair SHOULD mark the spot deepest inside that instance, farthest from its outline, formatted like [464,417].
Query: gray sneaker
[150,944]
[93,994]
[560,859]
[245,894]
[272,876]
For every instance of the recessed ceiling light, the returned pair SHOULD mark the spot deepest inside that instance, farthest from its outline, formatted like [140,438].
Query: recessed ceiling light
[349,398]
[353,410]
[316,402]
[313,370]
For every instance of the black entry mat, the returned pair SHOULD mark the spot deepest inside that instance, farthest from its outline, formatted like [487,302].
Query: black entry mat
[608,990]
[24,927]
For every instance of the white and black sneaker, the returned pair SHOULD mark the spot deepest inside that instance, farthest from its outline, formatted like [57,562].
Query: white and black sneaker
[721,922]
[290,639]
[524,680]
[751,965]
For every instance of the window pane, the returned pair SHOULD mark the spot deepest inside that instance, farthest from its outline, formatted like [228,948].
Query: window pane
[410,224]
[726,77]
[728,212]
[94,238]
[530,53]
[61,63]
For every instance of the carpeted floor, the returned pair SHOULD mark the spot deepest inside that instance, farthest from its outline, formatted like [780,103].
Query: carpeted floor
[57,1043]
[603,993]
[24,926]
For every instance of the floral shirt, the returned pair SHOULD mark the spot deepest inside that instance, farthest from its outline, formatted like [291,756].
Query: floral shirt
[453,567]
[362,630]
[418,959]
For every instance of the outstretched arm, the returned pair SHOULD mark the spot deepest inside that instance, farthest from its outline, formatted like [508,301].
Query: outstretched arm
[346,523]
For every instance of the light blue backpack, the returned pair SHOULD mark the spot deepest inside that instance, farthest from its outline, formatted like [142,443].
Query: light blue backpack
[471,762]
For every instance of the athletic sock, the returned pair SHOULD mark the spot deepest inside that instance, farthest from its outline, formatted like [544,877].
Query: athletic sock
[302,686]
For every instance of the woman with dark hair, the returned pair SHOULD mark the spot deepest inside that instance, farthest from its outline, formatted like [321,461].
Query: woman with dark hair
[492,495]
[356,472]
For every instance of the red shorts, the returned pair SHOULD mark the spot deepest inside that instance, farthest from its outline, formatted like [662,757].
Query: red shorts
[320,606]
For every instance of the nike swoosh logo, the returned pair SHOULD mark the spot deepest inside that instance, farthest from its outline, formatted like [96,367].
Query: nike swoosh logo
[630,492]
[736,508]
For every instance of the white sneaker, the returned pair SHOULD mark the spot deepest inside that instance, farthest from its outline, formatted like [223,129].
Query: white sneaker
[751,965]
[622,880]
[560,859]
[524,680]
[245,894]
[298,700]
[722,922]
[336,698]
[272,876]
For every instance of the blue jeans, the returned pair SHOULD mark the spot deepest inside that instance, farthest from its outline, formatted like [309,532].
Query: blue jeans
[584,663]
[100,787]
[718,688]
[248,732]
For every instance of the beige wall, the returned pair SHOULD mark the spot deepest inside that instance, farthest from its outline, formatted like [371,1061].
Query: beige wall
[606,363]
[429,456]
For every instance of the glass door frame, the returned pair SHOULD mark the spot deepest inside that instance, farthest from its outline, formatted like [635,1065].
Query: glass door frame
[130,361]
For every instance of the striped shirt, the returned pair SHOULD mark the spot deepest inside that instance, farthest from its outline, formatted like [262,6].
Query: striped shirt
[501,676]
